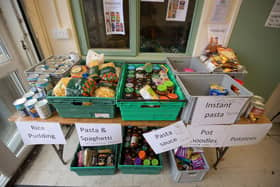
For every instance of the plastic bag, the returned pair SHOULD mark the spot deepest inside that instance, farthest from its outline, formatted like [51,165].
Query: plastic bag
[94,59]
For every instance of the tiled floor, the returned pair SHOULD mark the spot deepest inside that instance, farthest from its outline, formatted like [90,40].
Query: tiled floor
[255,165]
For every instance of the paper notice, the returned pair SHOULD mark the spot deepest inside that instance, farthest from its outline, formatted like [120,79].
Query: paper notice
[218,31]
[113,15]
[168,138]
[273,19]
[33,132]
[221,9]
[177,10]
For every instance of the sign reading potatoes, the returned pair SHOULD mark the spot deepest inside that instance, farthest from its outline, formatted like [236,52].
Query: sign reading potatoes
[217,110]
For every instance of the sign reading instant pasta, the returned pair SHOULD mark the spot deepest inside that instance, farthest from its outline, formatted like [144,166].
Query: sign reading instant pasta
[217,110]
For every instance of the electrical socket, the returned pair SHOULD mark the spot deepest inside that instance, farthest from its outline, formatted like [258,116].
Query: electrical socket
[61,33]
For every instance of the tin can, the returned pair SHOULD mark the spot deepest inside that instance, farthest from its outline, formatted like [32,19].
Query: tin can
[29,95]
[255,107]
[32,77]
[30,107]
[44,76]
[43,109]
[43,86]
[19,105]
[258,100]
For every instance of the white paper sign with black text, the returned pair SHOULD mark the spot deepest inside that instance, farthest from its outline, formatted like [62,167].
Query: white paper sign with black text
[168,138]
[33,132]
[217,110]
[97,134]
[207,135]
[246,134]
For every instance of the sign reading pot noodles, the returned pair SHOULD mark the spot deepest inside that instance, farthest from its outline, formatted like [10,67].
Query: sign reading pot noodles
[207,135]
[40,132]
[168,138]
[97,134]
[245,134]
[217,110]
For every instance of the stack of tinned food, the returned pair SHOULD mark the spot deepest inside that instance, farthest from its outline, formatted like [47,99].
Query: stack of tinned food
[93,80]
[149,81]
[136,151]
[187,159]
[92,157]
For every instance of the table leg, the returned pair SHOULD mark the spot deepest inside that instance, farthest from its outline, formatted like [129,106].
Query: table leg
[59,152]
[220,152]
[60,148]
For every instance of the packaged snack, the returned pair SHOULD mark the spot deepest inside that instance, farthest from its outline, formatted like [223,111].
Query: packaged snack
[60,88]
[104,92]
[78,71]
[94,58]
[148,93]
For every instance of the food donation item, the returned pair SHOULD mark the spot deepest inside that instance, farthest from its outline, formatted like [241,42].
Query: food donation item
[149,81]
[88,157]
[97,80]
[187,159]
[136,150]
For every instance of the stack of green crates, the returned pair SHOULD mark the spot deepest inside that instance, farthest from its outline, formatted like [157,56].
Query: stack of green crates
[86,107]
[149,110]
[95,170]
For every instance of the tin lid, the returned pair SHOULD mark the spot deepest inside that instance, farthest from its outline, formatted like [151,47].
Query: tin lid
[129,90]
[161,88]
[131,67]
[32,77]
[41,103]
[28,94]
[257,98]
[19,101]
[258,104]
[30,102]
[168,83]
[42,82]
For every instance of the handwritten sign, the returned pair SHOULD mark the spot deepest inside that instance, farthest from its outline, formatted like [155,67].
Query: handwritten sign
[207,136]
[245,134]
[40,132]
[168,138]
[217,110]
[97,134]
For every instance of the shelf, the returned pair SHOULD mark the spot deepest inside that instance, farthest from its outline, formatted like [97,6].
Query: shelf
[70,121]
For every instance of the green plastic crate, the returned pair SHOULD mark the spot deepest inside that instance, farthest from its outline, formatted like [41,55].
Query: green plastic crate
[86,107]
[95,170]
[150,109]
[139,169]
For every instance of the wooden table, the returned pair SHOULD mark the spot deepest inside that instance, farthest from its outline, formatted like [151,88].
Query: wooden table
[71,121]
[220,151]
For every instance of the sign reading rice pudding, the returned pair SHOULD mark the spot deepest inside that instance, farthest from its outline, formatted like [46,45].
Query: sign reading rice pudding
[217,110]
[33,132]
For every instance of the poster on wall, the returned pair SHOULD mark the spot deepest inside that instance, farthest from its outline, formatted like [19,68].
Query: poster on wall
[220,13]
[219,32]
[273,19]
[177,10]
[113,17]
